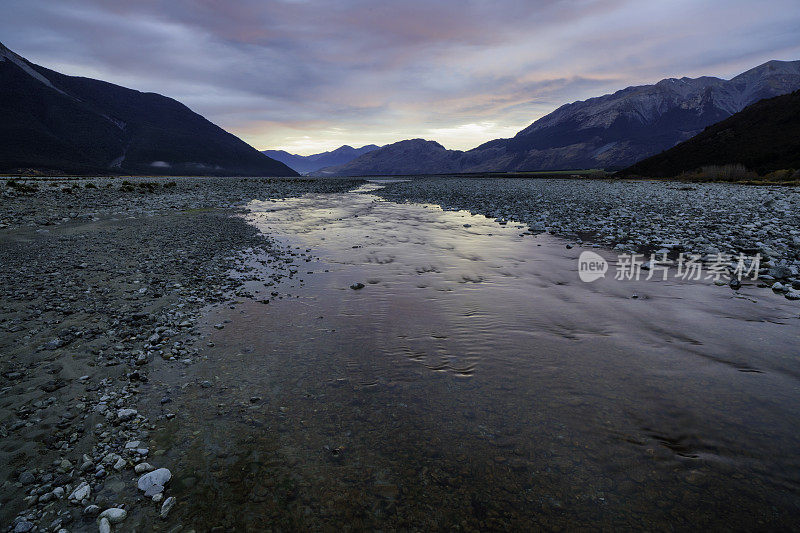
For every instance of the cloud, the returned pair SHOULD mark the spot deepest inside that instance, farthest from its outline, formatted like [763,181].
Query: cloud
[310,74]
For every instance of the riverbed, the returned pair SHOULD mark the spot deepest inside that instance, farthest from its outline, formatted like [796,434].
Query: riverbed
[430,369]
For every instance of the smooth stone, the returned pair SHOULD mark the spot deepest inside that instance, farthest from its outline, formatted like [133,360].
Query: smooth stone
[142,468]
[167,506]
[115,515]
[104,526]
[160,476]
[154,490]
[91,510]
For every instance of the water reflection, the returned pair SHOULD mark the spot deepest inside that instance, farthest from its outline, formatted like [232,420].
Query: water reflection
[475,383]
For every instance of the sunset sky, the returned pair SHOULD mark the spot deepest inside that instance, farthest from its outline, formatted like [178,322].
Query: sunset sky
[308,76]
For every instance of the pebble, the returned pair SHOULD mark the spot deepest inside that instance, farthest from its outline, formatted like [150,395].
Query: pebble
[81,493]
[114,515]
[167,506]
[104,525]
[23,526]
[126,414]
[91,510]
[142,468]
[154,482]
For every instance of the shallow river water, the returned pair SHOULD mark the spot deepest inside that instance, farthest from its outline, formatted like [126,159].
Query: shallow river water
[475,382]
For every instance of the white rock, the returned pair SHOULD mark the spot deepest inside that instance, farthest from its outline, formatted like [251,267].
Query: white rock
[115,515]
[82,492]
[104,526]
[159,477]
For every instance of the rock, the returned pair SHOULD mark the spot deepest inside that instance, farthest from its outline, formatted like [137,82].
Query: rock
[154,482]
[126,414]
[115,515]
[154,490]
[357,286]
[735,284]
[141,468]
[793,294]
[91,510]
[23,526]
[104,526]
[780,272]
[167,506]
[779,287]
[120,464]
[81,493]
[26,478]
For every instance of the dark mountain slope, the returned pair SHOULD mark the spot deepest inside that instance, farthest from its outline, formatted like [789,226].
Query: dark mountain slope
[618,129]
[80,125]
[765,136]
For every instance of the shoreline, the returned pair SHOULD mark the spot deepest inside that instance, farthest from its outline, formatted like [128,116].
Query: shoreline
[100,286]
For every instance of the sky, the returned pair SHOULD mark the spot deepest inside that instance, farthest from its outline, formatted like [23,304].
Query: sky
[307,76]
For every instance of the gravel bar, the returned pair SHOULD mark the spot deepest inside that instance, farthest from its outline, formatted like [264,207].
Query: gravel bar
[102,279]
[706,219]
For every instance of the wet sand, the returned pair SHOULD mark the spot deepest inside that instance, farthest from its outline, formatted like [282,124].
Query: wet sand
[474,382]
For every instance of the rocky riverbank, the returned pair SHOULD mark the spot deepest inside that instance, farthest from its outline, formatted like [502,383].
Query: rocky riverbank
[707,219]
[102,279]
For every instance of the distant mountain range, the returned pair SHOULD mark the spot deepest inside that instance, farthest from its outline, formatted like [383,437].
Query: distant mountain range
[55,123]
[764,137]
[309,163]
[414,156]
[611,131]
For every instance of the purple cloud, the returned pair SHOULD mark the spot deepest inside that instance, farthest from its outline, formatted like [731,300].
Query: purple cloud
[307,75]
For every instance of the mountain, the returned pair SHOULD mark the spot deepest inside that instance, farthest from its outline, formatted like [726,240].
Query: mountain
[764,137]
[413,156]
[617,130]
[57,123]
[611,131]
[305,164]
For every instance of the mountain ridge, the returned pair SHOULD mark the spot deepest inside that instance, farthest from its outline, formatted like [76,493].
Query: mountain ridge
[310,163]
[611,131]
[68,124]
[763,137]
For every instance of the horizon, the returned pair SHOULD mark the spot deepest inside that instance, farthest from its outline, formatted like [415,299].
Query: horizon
[281,77]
